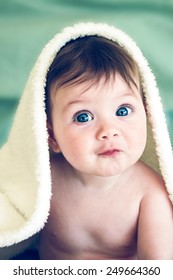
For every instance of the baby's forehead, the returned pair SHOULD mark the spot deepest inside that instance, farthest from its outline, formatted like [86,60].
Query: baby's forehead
[115,85]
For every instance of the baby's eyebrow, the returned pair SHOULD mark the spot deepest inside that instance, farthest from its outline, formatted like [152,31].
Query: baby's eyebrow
[131,94]
[73,102]
[126,94]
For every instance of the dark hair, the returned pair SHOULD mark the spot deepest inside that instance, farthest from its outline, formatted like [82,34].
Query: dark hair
[88,59]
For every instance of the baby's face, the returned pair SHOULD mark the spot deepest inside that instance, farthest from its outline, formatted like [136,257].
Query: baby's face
[100,130]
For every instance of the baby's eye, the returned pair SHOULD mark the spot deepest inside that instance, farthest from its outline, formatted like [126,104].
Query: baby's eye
[123,111]
[83,117]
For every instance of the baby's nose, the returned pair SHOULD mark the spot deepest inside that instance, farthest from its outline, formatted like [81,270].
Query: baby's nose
[107,132]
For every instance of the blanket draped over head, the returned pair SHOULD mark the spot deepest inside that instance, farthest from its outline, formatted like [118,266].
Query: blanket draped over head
[25,176]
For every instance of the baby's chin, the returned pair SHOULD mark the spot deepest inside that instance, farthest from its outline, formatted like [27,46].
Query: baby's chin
[102,173]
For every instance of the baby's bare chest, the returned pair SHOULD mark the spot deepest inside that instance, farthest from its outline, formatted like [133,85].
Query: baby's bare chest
[107,226]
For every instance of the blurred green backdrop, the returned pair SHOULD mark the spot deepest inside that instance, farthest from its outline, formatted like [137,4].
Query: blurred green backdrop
[27,25]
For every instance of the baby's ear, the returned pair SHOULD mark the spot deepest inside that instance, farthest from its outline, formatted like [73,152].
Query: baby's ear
[53,144]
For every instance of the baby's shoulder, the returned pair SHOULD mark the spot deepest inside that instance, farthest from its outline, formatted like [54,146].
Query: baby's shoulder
[151,180]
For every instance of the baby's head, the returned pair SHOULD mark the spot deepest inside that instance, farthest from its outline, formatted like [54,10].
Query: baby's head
[96,117]
[88,59]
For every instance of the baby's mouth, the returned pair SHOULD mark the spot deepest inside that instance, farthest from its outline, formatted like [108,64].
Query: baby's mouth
[110,153]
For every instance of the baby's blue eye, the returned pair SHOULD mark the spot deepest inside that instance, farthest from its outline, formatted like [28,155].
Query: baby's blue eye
[123,111]
[83,117]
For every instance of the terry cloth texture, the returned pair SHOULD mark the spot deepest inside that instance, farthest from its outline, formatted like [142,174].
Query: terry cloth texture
[25,177]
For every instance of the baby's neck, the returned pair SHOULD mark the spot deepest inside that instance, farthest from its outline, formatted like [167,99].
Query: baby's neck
[102,182]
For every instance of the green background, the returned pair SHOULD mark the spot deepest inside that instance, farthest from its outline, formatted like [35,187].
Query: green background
[27,25]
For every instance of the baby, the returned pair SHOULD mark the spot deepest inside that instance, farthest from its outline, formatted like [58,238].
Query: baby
[106,202]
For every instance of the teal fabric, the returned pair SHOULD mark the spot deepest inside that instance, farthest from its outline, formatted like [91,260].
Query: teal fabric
[26,26]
